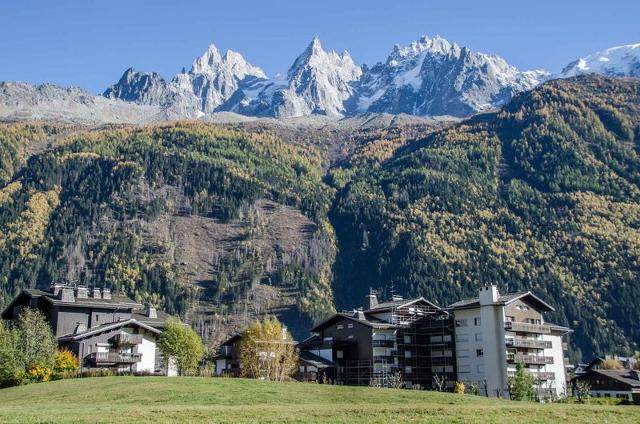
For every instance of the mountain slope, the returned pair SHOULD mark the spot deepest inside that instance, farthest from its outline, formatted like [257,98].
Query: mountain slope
[622,61]
[218,225]
[542,196]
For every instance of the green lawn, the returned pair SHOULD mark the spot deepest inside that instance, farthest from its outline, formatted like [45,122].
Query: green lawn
[194,399]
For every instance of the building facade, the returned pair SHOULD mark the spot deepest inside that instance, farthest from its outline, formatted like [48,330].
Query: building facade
[103,330]
[622,384]
[411,340]
[496,332]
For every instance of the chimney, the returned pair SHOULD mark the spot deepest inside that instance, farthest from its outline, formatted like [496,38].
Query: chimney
[372,300]
[359,315]
[66,294]
[95,293]
[151,312]
[106,294]
[80,328]
[82,292]
[56,288]
[489,295]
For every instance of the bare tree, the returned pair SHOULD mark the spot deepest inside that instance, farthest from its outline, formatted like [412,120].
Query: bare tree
[582,390]
[440,381]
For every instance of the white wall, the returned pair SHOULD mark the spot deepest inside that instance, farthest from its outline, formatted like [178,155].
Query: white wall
[560,383]
[147,350]
[470,367]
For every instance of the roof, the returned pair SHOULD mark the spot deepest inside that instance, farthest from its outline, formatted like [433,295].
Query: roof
[380,307]
[231,340]
[141,316]
[505,299]
[315,360]
[365,321]
[623,376]
[107,327]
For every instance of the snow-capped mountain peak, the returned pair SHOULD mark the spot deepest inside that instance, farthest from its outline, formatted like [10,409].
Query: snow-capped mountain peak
[616,62]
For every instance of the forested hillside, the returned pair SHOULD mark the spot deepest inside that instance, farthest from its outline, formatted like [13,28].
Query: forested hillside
[179,215]
[221,224]
[542,196]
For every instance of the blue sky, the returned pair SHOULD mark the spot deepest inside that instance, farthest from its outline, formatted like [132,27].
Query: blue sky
[90,43]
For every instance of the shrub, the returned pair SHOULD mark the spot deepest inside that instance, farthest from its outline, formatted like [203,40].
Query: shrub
[458,388]
[65,361]
[39,373]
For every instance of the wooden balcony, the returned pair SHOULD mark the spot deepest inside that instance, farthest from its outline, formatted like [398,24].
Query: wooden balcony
[528,343]
[525,327]
[114,358]
[126,340]
[529,359]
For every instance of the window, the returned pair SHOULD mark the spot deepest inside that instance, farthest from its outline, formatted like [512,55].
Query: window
[508,318]
[407,354]
[478,337]
[476,321]
[97,318]
[328,339]
[479,352]
[340,326]
[436,339]
[464,368]
[350,325]
[462,353]
[446,338]
[462,338]
[408,370]
[350,336]
[339,354]
[461,323]
[407,339]
[438,369]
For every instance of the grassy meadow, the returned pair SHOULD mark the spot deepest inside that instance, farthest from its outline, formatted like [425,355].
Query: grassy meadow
[222,400]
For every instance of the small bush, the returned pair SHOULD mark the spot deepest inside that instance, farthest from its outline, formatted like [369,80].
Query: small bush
[65,362]
[39,373]
[458,388]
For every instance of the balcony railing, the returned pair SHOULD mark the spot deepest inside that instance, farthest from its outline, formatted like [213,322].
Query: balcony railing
[528,343]
[125,339]
[383,359]
[529,359]
[525,327]
[543,376]
[107,358]
[383,343]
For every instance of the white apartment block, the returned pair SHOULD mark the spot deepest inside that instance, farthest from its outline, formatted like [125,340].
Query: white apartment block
[495,332]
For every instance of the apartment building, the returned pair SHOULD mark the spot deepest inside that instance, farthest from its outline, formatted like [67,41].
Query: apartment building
[494,333]
[412,338]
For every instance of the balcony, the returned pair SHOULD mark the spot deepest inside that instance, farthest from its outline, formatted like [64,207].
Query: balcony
[529,359]
[114,358]
[525,327]
[126,340]
[528,343]
[383,359]
[543,376]
[383,343]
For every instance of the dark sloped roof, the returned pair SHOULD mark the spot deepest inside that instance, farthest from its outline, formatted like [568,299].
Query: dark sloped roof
[107,327]
[315,360]
[400,303]
[505,299]
[623,376]
[141,316]
[342,315]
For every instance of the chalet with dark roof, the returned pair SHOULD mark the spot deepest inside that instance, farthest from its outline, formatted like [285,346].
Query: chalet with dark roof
[104,330]
[621,384]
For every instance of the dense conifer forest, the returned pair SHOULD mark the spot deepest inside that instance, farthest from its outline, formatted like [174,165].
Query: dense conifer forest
[543,195]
